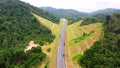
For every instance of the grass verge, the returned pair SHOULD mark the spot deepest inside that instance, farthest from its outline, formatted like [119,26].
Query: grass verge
[76,58]
[79,39]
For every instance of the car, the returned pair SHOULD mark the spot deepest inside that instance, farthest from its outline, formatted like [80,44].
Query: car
[64,44]
[63,55]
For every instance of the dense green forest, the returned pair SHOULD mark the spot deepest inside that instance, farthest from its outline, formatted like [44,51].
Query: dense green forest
[73,20]
[30,8]
[17,27]
[74,16]
[64,13]
[89,20]
[71,15]
[17,58]
[106,52]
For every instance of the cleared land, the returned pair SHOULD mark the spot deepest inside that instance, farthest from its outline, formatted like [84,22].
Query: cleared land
[75,31]
[55,28]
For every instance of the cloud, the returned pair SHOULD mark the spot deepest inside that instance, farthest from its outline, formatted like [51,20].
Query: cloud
[81,5]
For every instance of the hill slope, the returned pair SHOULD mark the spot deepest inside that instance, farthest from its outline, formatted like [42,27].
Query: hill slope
[71,15]
[16,20]
[31,8]
[108,11]
[64,13]
[55,28]
[101,14]
[105,53]
[17,28]
[74,16]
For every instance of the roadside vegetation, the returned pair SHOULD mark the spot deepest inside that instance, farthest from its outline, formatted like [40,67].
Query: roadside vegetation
[79,39]
[51,48]
[105,52]
[87,44]
[76,58]
[16,57]
[47,63]
[89,20]
[17,28]
[91,32]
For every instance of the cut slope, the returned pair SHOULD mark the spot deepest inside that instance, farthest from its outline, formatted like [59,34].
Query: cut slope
[47,23]
[106,52]
[55,28]
[75,31]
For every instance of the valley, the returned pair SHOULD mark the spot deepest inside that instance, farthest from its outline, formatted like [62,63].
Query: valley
[46,37]
[72,31]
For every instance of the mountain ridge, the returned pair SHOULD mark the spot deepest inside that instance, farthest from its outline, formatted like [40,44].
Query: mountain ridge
[107,10]
[74,15]
[63,12]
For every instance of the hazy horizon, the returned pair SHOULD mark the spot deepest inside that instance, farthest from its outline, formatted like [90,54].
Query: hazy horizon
[77,10]
[79,5]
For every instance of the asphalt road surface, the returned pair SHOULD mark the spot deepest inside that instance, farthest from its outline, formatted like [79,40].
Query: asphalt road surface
[60,52]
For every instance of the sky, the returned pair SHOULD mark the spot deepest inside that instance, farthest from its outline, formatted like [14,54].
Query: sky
[80,5]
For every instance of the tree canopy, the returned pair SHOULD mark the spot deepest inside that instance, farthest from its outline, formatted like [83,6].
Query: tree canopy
[17,28]
[106,52]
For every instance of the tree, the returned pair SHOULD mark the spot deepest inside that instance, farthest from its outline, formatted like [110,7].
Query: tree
[106,52]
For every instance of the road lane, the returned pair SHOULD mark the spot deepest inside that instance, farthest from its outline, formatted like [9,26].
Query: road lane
[60,52]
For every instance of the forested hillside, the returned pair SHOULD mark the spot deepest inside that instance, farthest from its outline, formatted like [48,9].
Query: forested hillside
[17,28]
[89,20]
[30,8]
[71,15]
[101,14]
[106,11]
[64,13]
[106,52]
[74,16]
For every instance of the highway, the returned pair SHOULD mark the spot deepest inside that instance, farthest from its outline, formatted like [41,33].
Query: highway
[60,52]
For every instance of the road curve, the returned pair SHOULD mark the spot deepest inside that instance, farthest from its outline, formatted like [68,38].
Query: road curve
[60,52]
